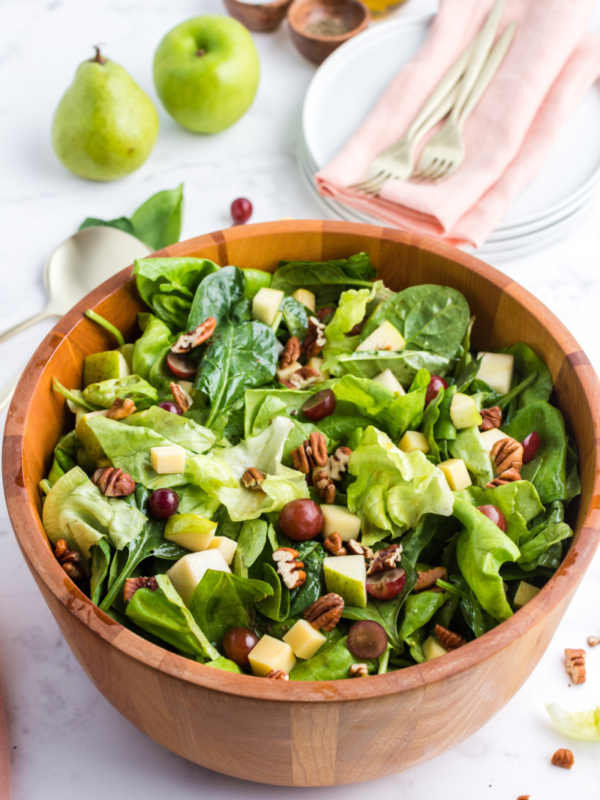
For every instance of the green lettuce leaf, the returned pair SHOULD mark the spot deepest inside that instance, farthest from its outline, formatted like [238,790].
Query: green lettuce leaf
[469,446]
[105,393]
[404,365]
[350,311]
[177,429]
[330,663]
[518,501]
[418,611]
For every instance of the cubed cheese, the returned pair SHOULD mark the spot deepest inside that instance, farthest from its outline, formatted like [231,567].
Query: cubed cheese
[496,369]
[306,297]
[225,546]
[265,305]
[525,592]
[413,440]
[390,381]
[168,459]
[339,520]
[269,654]
[456,474]
[433,649]
[304,639]
[187,573]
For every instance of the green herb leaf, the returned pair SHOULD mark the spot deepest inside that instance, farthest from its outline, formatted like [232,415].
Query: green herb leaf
[157,222]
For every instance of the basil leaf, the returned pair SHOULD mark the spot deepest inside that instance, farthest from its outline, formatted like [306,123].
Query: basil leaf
[157,222]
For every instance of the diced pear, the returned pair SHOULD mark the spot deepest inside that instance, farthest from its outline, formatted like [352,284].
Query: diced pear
[390,381]
[339,520]
[187,386]
[276,320]
[187,573]
[525,592]
[87,437]
[413,440]
[464,412]
[385,337]
[270,653]
[496,369]
[225,546]
[304,639]
[316,363]
[489,438]
[456,474]
[306,297]
[168,459]
[285,373]
[265,305]
[432,649]
[190,531]
[104,366]
[347,576]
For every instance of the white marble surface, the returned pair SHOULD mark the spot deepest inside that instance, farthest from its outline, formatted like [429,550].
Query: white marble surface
[64,736]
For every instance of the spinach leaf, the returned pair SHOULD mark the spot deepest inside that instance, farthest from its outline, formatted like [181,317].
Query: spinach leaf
[150,351]
[469,446]
[573,483]
[338,428]
[427,539]
[168,286]
[518,501]
[163,614]
[431,414]
[312,555]
[478,620]
[295,316]
[220,295]
[418,611]
[277,605]
[526,364]
[222,601]
[239,357]
[157,222]
[122,223]
[252,540]
[543,548]
[330,663]
[225,664]
[432,318]
[325,278]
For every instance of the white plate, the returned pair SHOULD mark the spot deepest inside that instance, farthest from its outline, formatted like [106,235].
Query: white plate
[351,80]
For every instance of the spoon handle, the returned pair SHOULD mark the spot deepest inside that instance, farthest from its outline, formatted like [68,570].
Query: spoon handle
[5,395]
[20,326]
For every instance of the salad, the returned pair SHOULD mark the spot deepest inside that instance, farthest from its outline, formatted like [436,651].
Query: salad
[306,475]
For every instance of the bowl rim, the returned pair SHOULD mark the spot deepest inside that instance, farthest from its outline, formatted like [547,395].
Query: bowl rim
[46,570]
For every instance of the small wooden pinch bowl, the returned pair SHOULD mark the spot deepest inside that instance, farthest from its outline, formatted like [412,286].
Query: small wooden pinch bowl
[306,17]
[315,733]
[259,17]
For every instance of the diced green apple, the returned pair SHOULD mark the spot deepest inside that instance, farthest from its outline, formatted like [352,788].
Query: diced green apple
[190,531]
[187,573]
[306,297]
[496,369]
[339,520]
[390,381]
[104,367]
[464,412]
[385,337]
[265,305]
[347,576]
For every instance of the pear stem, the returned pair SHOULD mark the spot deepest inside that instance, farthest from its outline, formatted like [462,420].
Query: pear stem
[98,58]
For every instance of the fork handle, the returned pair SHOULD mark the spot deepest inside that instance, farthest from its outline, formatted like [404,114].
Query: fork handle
[484,44]
[495,58]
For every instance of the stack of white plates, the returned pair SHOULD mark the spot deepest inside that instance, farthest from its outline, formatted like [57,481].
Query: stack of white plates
[348,84]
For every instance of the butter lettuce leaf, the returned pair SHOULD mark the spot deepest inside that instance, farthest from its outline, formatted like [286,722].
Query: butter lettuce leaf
[518,501]
[469,446]
[134,387]
[350,311]
[177,429]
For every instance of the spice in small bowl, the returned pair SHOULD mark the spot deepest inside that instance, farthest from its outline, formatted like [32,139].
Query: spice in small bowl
[318,27]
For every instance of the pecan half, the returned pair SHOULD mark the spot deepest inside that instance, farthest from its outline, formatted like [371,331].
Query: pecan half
[131,586]
[291,570]
[310,454]
[202,332]
[385,559]
[575,664]
[302,378]
[334,545]
[523,797]
[278,675]
[113,482]
[182,398]
[358,549]
[507,454]
[326,612]
[490,418]
[448,639]
[253,479]
[324,486]
[323,313]
[69,560]
[338,463]
[563,758]
[429,578]
[121,408]
[506,477]
[291,352]
[315,340]
[359,671]
[593,640]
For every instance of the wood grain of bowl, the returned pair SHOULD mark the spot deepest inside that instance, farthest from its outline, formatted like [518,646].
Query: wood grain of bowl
[304,734]
[260,17]
[305,18]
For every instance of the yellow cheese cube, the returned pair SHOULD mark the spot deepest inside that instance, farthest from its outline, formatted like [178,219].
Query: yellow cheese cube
[187,573]
[306,297]
[455,471]
[433,649]
[413,440]
[225,546]
[271,653]
[496,369]
[525,592]
[168,459]
[304,639]
[339,520]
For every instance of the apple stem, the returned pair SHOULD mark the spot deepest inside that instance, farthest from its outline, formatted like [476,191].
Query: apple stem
[98,58]
[200,52]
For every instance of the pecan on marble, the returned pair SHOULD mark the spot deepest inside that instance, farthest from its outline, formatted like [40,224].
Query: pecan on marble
[563,758]
[326,612]
[593,640]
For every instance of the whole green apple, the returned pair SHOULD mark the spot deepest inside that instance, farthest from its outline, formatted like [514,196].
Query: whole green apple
[206,72]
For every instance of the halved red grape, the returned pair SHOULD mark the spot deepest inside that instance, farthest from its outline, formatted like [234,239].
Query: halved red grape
[495,515]
[238,643]
[241,210]
[163,503]
[169,406]
[320,405]
[386,585]
[181,366]
[367,639]
[433,389]
[531,444]
[301,520]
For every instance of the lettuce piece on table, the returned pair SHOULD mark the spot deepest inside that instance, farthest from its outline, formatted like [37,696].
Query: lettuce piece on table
[584,725]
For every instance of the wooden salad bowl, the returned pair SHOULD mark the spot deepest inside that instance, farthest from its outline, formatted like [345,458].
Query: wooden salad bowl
[314,733]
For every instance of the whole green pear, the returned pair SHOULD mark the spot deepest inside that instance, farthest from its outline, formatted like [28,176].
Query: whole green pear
[206,72]
[105,125]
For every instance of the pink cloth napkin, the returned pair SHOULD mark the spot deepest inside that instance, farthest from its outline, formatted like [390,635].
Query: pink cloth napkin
[546,72]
